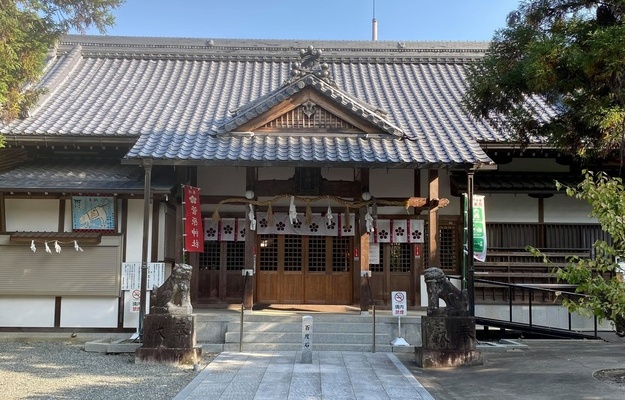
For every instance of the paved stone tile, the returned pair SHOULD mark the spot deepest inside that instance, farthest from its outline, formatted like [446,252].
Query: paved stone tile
[280,375]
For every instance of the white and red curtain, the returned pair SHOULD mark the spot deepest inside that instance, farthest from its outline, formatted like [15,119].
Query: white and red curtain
[386,231]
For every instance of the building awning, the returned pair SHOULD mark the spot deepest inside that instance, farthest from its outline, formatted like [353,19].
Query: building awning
[83,176]
[539,183]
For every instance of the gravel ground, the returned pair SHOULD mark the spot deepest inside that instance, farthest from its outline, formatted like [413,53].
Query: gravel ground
[63,370]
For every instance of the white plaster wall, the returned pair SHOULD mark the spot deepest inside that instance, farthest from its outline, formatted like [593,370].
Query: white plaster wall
[392,183]
[27,312]
[32,215]
[92,312]
[221,181]
[561,208]
[510,208]
[134,239]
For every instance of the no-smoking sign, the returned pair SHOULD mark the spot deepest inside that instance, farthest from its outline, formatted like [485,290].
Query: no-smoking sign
[136,294]
[398,300]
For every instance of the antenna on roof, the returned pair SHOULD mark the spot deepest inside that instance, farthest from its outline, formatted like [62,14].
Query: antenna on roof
[374,26]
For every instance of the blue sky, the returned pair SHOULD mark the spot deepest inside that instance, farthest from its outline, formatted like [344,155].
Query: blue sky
[314,19]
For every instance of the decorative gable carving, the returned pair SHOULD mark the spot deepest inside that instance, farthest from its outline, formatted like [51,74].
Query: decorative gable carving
[310,101]
[309,117]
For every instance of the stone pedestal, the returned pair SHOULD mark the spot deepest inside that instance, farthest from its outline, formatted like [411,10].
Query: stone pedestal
[169,339]
[447,342]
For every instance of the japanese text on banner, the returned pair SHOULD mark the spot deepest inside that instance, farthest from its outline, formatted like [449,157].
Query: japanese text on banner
[193,231]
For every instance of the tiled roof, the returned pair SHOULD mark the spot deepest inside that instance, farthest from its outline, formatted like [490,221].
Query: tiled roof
[515,182]
[82,176]
[176,94]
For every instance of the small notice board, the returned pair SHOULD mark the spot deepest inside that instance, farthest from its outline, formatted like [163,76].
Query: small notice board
[398,301]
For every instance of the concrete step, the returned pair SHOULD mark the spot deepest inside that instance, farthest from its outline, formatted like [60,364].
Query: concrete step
[288,337]
[318,326]
[381,347]
[283,331]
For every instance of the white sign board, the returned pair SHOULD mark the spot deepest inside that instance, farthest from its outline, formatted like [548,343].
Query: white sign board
[131,275]
[398,301]
[374,253]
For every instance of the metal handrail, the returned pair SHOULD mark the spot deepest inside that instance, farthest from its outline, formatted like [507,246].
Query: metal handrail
[243,293]
[531,289]
[373,314]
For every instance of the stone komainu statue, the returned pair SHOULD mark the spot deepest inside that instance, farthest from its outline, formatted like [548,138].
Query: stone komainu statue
[439,287]
[172,297]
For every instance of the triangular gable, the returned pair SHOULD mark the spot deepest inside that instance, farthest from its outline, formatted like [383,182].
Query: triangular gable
[308,91]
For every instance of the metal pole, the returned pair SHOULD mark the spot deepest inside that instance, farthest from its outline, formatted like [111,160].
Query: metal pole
[147,166]
[373,329]
[470,263]
[241,329]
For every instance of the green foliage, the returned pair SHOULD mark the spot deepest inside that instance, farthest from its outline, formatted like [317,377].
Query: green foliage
[28,29]
[569,54]
[598,281]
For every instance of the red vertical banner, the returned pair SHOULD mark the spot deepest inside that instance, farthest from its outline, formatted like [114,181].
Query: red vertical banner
[193,231]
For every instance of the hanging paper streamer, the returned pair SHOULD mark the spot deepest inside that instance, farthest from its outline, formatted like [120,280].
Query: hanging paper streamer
[369,221]
[77,247]
[32,246]
[57,247]
[292,211]
[48,248]
[252,218]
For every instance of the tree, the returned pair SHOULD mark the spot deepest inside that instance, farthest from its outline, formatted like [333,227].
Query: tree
[28,29]
[599,280]
[556,71]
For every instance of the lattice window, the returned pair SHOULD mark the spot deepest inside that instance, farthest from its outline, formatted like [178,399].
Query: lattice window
[379,267]
[341,254]
[309,116]
[316,254]
[235,256]
[211,258]
[268,259]
[448,246]
[292,253]
[400,257]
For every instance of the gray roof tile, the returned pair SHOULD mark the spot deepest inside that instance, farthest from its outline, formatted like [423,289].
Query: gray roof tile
[74,176]
[173,95]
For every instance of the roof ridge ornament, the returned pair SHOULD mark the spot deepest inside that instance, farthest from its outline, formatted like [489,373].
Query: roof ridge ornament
[310,64]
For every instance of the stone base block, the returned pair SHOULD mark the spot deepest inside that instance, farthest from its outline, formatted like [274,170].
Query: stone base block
[164,355]
[446,358]
[169,331]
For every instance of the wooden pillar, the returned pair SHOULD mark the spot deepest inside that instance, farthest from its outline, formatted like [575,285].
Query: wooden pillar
[145,257]
[434,257]
[362,270]
[3,214]
[362,265]
[250,264]
[250,245]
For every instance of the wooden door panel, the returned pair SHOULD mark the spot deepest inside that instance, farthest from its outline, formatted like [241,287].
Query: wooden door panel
[292,288]
[208,285]
[341,288]
[268,287]
[234,285]
[316,290]
[378,288]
